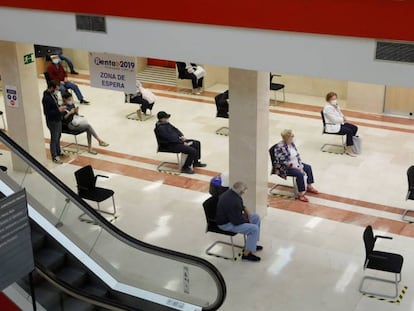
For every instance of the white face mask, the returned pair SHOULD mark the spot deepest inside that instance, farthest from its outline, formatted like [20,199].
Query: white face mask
[334,102]
[56,61]
[56,92]
[70,102]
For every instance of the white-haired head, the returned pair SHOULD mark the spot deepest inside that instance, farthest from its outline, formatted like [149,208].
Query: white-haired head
[239,187]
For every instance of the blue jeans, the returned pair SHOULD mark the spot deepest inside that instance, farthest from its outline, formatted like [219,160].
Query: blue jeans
[68,61]
[55,128]
[250,229]
[300,182]
[72,86]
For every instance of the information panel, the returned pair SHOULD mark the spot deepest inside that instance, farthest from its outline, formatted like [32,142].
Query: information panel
[16,253]
[113,72]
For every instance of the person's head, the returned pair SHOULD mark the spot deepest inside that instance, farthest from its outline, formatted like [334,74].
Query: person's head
[67,98]
[239,187]
[331,98]
[287,136]
[163,116]
[52,85]
[55,59]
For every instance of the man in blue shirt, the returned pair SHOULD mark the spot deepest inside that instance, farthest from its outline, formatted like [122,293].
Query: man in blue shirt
[232,215]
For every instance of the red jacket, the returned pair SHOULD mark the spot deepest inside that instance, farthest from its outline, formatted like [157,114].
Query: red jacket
[56,73]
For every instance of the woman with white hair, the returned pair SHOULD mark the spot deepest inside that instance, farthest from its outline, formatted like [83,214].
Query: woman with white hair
[289,163]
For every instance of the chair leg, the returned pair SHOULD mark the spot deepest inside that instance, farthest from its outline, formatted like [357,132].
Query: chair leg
[224,130]
[233,246]
[395,282]
[294,187]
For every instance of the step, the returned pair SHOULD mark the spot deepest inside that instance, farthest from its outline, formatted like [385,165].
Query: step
[72,276]
[38,239]
[48,296]
[72,304]
[95,290]
[49,258]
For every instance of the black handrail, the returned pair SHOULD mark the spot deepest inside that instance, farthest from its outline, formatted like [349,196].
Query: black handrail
[116,232]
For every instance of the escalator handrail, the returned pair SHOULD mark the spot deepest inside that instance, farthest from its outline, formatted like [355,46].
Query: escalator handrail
[116,232]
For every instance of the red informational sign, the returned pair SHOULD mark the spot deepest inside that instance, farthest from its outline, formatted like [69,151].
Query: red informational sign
[379,19]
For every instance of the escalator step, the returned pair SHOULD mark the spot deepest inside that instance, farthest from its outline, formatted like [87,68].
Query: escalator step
[48,296]
[49,258]
[72,276]
[38,239]
[95,290]
[76,305]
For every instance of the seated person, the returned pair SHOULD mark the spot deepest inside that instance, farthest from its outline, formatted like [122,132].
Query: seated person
[232,215]
[335,122]
[222,104]
[67,120]
[194,73]
[57,73]
[173,139]
[288,163]
[143,97]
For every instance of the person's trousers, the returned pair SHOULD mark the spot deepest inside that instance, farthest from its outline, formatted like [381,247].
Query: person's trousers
[68,61]
[350,130]
[192,148]
[55,128]
[250,229]
[196,82]
[89,131]
[145,104]
[300,181]
[72,86]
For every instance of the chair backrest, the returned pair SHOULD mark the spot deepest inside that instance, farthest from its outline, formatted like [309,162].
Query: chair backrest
[47,77]
[181,69]
[85,178]
[369,241]
[410,177]
[272,157]
[210,208]
[162,146]
[323,121]
[222,105]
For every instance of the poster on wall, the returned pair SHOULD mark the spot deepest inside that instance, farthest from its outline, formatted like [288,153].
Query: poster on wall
[11,96]
[113,72]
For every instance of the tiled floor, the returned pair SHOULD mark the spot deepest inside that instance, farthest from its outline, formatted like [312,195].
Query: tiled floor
[313,252]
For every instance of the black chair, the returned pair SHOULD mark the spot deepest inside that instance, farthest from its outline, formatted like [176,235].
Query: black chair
[75,133]
[210,207]
[333,145]
[410,193]
[164,147]
[183,74]
[273,172]
[381,261]
[276,86]
[4,123]
[86,184]
[222,106]
[140,114]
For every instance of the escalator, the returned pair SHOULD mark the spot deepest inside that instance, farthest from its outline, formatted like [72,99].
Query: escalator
[94,265]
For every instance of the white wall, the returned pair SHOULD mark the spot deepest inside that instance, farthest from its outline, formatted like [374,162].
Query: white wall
[322,56]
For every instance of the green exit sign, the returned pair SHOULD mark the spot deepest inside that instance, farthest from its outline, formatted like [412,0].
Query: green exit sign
[28,58]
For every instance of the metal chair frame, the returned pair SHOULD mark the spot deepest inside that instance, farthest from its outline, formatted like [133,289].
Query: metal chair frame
[342,146]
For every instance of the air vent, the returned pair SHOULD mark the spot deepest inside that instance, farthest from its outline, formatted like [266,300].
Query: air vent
[91,23]
[397,52]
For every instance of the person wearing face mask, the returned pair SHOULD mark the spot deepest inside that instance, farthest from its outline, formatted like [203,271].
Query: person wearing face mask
[289,163]
[56,72]
[68,116]
[52,112]
[337,123]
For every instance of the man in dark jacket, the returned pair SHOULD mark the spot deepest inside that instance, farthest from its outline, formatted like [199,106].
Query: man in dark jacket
[171,138]
[232,215]
[53,114]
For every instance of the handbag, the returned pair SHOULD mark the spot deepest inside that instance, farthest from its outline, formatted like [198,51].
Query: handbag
[199,72]
[357,146]
[79,120]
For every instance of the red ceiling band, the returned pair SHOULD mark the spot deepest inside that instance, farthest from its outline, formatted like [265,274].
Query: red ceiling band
[380,19]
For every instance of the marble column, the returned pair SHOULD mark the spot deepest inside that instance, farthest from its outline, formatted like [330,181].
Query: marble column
[24,120]
[249,135]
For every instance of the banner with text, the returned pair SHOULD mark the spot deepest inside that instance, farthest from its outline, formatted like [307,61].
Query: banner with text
[113,72]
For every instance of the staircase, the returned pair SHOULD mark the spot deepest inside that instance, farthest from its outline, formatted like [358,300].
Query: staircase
[158,75]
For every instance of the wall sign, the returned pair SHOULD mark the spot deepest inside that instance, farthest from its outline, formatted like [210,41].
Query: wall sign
[11,96]
[113,72]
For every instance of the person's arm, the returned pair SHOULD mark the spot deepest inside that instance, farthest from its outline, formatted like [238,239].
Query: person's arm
[247,213]
[332,116]
[167,136]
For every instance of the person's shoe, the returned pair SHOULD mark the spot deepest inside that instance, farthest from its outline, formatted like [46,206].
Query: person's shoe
[91,151]
[312,190]
[351,154]
[74,72]
[199,164]
[302,198]
[139,114]
[57,160]
[62,155]
[251,257]
[103,144]
[85,102]
[187,170]
[259,248]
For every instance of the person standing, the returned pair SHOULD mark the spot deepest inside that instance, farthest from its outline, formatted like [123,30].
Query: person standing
[53,113]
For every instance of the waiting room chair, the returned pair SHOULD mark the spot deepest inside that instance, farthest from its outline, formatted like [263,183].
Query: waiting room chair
[139,114]
[410,193]
[381,261]
[183,74]
[222,106]
[272,190]
[86,184]
[210,208]
[277,86]
[332,145]
[163,147]
[75,133]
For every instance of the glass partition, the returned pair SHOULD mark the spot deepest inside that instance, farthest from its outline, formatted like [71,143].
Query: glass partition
[131,262]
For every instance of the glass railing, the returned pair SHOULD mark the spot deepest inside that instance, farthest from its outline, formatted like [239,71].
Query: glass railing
[138,267]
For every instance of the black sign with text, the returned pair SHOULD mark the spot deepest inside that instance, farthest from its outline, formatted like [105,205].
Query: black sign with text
[16,253]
